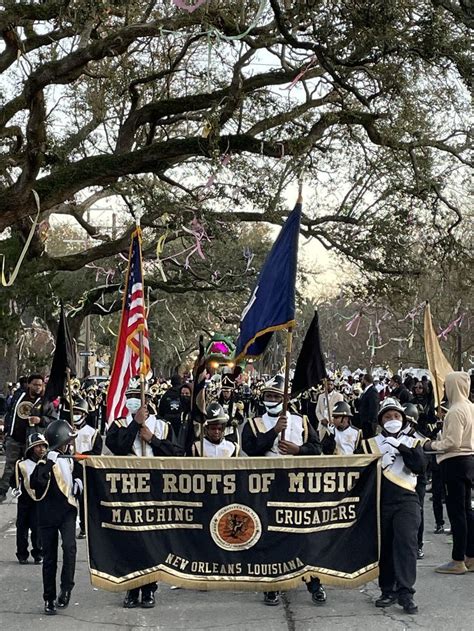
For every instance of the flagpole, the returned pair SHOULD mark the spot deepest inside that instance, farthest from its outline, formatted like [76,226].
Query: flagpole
[289,337]
[286,388]
[326,393]
[142,382]
[69,396]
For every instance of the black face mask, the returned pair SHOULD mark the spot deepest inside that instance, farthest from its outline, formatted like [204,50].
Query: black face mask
[185,402]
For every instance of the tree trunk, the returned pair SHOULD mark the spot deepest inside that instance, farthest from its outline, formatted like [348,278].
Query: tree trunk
[8,364]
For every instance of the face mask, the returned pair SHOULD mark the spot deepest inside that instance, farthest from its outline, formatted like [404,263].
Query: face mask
[133,405]
[273,408]
[393,427]
[78,419]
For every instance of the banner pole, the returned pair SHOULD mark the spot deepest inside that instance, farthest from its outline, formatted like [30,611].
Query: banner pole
[438,407]
[142,382]
[286,389]
[69,396]
[326,393]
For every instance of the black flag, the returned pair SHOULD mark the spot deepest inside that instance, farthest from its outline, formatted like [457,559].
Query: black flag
[64,357]
[310,368]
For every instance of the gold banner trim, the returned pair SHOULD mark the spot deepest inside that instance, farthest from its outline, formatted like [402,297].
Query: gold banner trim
[315,529]
[152,527]
[289,504]
[330,577]
[150,503]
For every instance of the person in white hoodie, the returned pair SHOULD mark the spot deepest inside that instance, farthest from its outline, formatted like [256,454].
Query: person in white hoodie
[456,457]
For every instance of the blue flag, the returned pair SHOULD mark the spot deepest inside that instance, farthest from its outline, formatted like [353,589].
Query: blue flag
[272,304]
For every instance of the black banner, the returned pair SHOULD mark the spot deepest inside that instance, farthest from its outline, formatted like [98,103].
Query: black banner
[236,523]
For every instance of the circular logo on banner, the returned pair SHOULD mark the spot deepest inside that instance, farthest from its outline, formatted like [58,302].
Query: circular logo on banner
[235,527]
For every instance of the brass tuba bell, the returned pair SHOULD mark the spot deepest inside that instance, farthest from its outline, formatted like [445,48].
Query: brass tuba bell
[24,409]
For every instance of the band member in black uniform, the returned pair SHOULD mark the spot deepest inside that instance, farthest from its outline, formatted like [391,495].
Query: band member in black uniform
[261,437]
[28,414]
[341,438]
[140,434]
[402,462]
[57,482]
[27,507]
[215,445]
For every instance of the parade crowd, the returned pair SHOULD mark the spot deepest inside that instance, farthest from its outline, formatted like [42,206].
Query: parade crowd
[423,446]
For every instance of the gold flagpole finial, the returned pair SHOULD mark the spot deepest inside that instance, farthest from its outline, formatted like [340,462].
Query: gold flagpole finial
[300,189]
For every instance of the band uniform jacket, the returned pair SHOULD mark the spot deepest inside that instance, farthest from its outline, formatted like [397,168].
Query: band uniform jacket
[123,438]
[53,483]
[342,442]
[225,449]
[88,441]
[400,466]
[259,437]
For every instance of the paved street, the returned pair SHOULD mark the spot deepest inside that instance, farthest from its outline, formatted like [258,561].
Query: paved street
[444,602]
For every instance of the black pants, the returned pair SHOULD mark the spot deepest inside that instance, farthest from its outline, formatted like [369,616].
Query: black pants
[49,538]
[421,492]
[458,475]
[400,522]
[437,487]
[313,584]
[26,521]
[82,520]
[147,590]
[13,452]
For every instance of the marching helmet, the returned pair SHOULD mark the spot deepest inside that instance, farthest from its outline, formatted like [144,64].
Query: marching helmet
[215,414]
[342,408]
[35,439]
[276,385]
[390,403]
[411,411]
[227,383]
[58,433]
[134,388]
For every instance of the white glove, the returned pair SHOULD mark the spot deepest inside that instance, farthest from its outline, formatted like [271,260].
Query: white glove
[394,442]
[78,487]
[388,459]
[53,455]
[331,428]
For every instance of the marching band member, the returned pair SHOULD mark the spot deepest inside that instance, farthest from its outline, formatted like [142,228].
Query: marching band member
[261,437]
[57,482]
[341,438]
[215,445]
[27,513]
[323,413]
[402,462]
[140,434]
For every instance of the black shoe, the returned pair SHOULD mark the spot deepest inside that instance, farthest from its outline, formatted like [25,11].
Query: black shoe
[319,596]
[64,598]
[148,601]
[50,608]
[23,561]
[385,600]
[81,535]
[409,605]
[439,530]
[38,560]
[271,598]
[130,602]
[420,554]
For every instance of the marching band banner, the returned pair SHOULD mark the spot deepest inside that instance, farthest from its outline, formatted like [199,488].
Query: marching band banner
[259,524]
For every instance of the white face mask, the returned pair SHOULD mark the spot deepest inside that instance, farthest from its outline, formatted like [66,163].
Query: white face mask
[273,408]
[393,427]
[133,405]
[78,418]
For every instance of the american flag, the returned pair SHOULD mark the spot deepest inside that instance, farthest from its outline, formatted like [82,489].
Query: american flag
[127,362]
